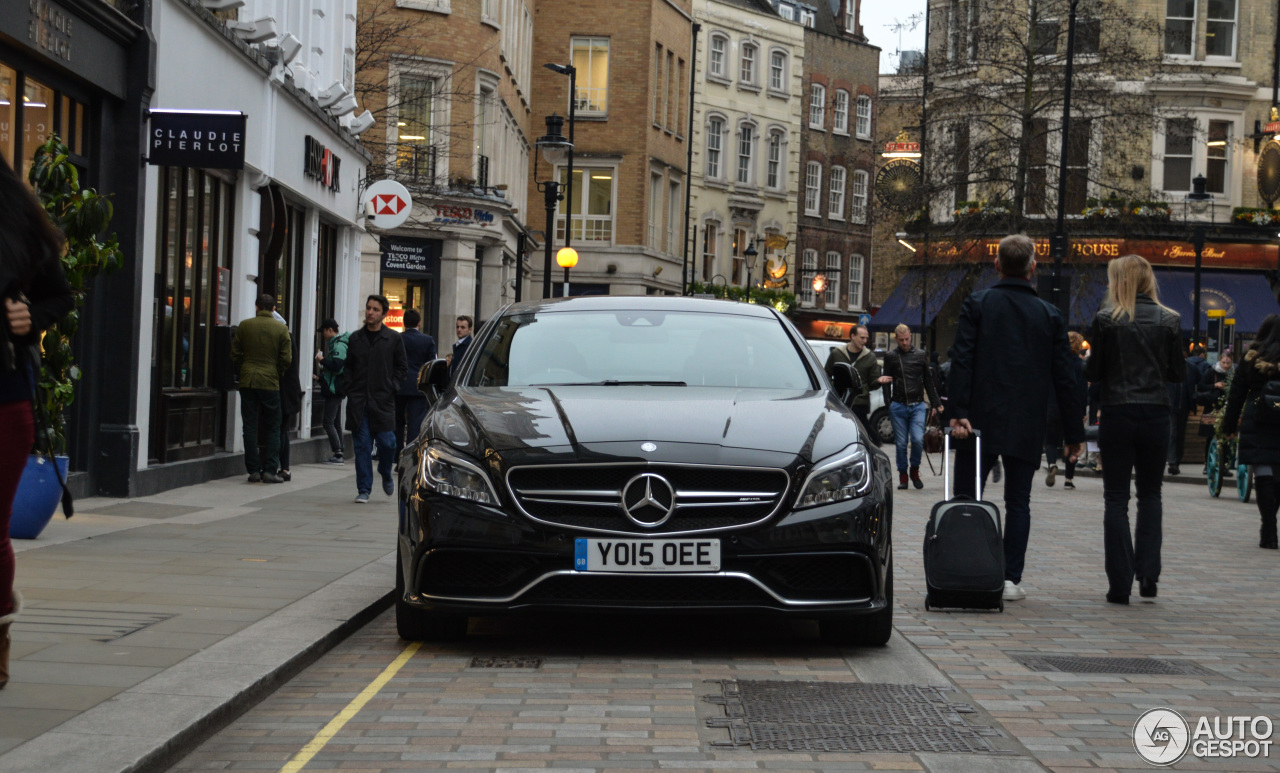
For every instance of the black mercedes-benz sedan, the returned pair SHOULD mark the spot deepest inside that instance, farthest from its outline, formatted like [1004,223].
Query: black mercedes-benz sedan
[642,454]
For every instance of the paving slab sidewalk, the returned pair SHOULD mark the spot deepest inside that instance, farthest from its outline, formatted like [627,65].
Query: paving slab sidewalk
[151,622]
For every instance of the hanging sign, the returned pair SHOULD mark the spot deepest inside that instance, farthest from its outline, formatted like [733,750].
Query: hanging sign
[387,203]
[211,139]
[405,254]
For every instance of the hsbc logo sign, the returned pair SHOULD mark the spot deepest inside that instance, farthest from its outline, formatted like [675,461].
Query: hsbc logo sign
[388,204]
[322,165]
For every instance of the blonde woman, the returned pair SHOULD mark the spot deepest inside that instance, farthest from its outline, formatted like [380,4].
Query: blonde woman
[1136,352]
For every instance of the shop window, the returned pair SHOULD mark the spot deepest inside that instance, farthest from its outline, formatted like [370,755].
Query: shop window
[591,58]
[591,206]
[8,112]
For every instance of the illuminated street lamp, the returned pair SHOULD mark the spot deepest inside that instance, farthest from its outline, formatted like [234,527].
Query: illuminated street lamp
[567,257]
[553,146]
[819,283]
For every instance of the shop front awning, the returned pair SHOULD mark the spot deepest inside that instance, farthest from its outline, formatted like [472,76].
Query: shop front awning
[903,304]
[1088,287]
[1245,296]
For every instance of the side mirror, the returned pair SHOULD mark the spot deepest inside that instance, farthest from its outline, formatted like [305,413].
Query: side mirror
[433,379]
[848,384]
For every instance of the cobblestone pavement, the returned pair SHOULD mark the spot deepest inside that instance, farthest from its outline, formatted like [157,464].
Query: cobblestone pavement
[626,694]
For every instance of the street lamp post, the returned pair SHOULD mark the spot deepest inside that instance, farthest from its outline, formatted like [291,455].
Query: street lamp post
[1197,201]
[553,146]
[572,72]
[1058,244]
[567,257]
[750,254]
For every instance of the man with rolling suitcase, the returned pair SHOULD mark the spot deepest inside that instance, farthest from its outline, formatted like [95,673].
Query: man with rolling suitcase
[1012,357]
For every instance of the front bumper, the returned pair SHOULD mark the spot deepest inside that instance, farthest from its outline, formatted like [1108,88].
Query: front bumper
[470,559]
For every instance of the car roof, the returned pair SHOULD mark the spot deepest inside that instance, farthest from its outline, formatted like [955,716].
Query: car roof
[643,303]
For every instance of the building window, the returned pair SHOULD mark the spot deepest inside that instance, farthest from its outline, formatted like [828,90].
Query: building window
[677,90]
[806,18]
[778,71]
[485,115]
[715,62]
[808,268]
[960,143]
[831,297]
[835,204]
[415,155]
[953,31]
[1078,166]
[773,179]
[851,17]
[592,205]
[710,250]
[673,217]
[1044,37]
[1179,27]
[864,117]
[715,138]
[840,112]
[787,12]
[1179,140]
[655,208]
[1088,36]
[855,281]
[1220,32]
[1216,152]
[747,74]
[741,240]
[817,106]
[1037,167]
[746,144]
[859,196]
[658,90]
[591,58]
[812,187]
[973,30]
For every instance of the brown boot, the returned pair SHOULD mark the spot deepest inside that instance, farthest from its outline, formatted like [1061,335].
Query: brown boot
[5,623]
[915,478]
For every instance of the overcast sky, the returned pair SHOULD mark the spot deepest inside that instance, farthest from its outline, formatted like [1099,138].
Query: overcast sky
[878,18]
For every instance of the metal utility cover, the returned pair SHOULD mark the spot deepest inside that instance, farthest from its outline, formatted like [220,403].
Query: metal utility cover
[1075,664]
[846,717]
[104,625]
[505,661]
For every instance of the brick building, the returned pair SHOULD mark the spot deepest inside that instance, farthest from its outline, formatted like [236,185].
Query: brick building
[837,167]
[631,106]
[746,142]
[451,82]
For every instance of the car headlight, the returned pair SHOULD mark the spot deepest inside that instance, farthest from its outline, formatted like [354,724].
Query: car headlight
[847,475]
[449,474]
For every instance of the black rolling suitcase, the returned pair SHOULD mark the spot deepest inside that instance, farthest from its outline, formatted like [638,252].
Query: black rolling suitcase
[963,547]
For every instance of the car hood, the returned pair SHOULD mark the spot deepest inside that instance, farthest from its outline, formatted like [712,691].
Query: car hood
[810,424]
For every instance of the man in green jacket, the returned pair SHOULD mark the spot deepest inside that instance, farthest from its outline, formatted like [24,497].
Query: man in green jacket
[261,351]
[863,360]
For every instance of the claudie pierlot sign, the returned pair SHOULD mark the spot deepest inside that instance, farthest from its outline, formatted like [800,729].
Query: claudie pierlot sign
[212,139]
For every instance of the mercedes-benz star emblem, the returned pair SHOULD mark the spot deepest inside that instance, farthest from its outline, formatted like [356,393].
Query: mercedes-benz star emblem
[648,500]
[648,448]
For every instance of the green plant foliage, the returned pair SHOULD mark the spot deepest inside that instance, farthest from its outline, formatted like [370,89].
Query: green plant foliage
[782,300]
[1254,216]
[82,215]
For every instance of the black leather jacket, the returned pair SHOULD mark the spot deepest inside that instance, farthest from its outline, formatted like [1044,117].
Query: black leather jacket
[912,378]
[1135,359]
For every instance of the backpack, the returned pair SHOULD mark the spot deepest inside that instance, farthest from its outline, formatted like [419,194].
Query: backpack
[1266,408]
[331,380]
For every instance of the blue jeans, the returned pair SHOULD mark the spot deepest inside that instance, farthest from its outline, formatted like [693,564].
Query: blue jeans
[904,416]
[1018,477]
[364,440]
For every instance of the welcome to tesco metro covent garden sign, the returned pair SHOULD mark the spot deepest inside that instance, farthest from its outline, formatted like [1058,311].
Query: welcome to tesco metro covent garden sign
[1159,252]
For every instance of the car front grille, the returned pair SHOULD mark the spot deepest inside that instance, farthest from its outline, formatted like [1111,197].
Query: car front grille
[589,497]
[647,590]
[464,572]
[834,576]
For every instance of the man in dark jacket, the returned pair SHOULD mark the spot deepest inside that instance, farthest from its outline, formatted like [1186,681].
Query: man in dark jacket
[463,329]
[261,351]
[910,379]
[864,362]
[329,363]
[411,405]
[374,369]
[1012,357]
[1182,401]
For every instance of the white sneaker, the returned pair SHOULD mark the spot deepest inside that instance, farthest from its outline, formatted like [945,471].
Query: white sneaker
[1013,592]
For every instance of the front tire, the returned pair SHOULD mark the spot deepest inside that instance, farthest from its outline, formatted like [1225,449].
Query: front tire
[882,426]
[1214,467]
[413,624]
[871,630]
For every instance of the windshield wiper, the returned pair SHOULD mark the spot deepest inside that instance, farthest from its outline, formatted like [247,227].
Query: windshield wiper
[615,382]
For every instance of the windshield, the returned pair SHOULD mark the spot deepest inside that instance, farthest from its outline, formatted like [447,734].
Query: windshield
[659,348]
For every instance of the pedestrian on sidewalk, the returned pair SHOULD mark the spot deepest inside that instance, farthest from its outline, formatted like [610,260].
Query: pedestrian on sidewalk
[36,295]
[1137,351]
[290,403]
[374,370]
[1253,409]
[462,327]
[1054,449]
[911,382]
[1012,358]
[330,359]
[1182,403]
[857,354]
[411,405]
[261,351]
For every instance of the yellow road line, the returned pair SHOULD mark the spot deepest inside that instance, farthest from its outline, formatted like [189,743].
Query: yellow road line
[322,738]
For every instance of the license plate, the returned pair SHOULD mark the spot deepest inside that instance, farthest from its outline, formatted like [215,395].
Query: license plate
[645,555]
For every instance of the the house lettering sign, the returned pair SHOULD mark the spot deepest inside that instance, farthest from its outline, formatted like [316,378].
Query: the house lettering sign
[322,165]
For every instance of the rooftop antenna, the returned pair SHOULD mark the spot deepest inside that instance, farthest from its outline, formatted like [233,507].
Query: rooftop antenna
[904,25]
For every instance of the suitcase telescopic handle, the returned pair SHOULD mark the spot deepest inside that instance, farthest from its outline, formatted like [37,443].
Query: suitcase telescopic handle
[946,464]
